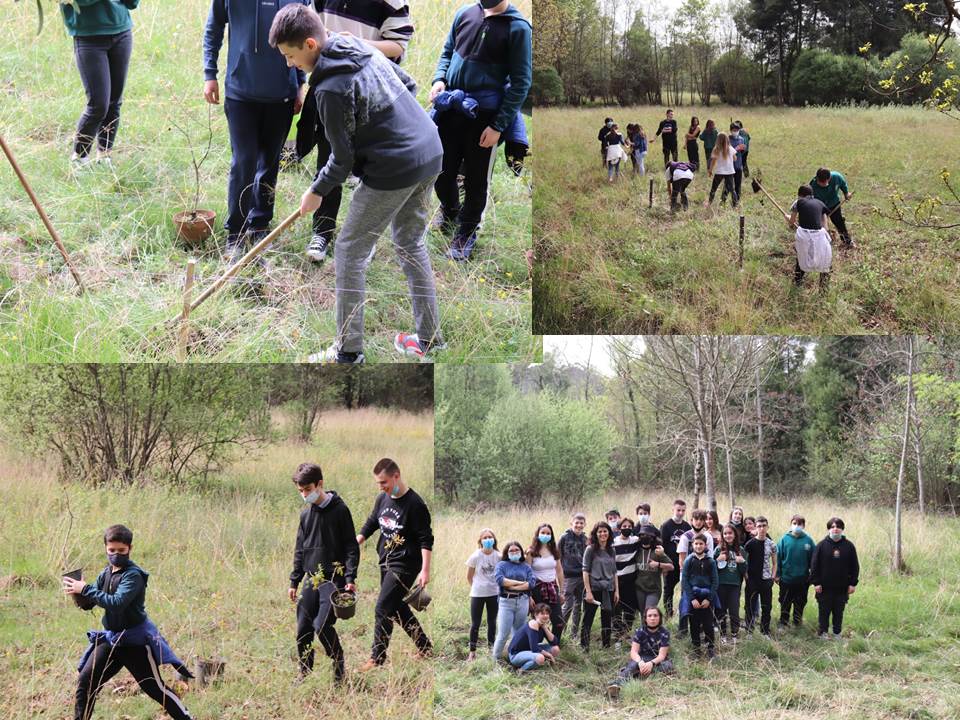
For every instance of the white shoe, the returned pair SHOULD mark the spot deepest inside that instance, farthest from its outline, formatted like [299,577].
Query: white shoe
[317,248]
[78,163]
[104,161]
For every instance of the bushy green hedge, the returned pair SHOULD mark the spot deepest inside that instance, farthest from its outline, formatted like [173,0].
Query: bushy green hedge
[820,77]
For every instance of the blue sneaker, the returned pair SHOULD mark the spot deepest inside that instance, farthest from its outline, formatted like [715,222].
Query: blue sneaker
[461,247]
[467,246]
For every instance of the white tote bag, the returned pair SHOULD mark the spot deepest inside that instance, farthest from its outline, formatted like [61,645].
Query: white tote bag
[814,253]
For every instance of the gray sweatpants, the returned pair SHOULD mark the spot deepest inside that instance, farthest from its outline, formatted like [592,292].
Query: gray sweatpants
[370,212]
[572,603]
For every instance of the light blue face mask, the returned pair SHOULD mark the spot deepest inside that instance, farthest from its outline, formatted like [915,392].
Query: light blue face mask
[487,543]
[514,557]
[312,497]
[395,492]
[643,519]
[545,538]
[836,535]
[796,529]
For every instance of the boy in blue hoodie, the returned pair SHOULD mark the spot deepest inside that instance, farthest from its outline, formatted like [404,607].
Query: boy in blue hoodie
[377,130]
[261,96]
[488,55]
[130,640]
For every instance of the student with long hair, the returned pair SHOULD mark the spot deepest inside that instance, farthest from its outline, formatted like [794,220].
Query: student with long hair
[638,147]
[709,138]
[544,559]
[481,576]
[722,160]
[649,652]
[515,581]
[731,570]
[599,584]
[736,519]
[712,526]
[615,152]
[693,152]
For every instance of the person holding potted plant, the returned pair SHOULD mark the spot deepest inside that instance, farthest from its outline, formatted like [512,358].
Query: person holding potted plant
[327,554]
[102,45]
[261,96]
[404,548]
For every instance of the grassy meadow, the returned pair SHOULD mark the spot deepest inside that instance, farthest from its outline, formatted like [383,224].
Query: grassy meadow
[609,264]
[899,658]
[117,225]
[219,559]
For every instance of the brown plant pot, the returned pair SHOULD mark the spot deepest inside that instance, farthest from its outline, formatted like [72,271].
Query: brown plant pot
[417,598]
[194,226]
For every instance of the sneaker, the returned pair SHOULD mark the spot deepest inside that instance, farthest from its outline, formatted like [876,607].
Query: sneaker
[442,224]
[104,161]
[464,246]
[733,640]
[723,640]
[618,646]
[254,237]
[78,163]
[409,344]
[472,656]
[369,665]
[837,636]
[823,636]
[711,653]
[234,250]
[333,354]
[613,691]
[317,248]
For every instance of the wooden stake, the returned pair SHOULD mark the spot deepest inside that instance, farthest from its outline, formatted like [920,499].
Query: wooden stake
[43,215]
[242,262]
[651,193]
[185,316]
[740,259]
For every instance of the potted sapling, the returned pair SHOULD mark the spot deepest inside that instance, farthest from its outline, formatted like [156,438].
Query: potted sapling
[196,225]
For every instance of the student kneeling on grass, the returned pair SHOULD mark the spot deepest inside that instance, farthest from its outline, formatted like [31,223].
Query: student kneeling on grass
[325,543]
[814,254]
[129,639]
[648,652]
[375,127]
[534,644]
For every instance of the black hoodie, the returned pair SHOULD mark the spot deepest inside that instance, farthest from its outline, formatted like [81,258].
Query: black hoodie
[326,536]
[835,565]
[407,518]
[372,120]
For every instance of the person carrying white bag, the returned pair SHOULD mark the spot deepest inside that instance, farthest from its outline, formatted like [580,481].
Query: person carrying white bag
[814,253]
[615,152]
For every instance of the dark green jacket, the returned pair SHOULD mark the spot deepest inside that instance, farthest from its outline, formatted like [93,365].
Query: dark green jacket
[98,17]
[794,555]
[122,595]
[733,573]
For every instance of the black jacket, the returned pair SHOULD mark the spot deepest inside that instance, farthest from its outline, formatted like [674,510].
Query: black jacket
[326,536]
[571,548]
[406,517]
[835,565]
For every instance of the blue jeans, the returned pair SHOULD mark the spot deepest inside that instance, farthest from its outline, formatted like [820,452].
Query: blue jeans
[525,659]
[511,615]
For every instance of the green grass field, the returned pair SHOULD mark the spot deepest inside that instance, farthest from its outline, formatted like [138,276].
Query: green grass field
[608,264]
[899,658]
[219,560]
[118,227]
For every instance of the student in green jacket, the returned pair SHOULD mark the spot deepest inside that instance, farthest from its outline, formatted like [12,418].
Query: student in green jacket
[794,553]
[102,44]
[731,570]
[709,138]
[827,184]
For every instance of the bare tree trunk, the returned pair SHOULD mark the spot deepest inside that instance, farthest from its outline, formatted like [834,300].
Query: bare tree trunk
[905,441]
[756,380]
[696,472]
[727,454]
[918,453]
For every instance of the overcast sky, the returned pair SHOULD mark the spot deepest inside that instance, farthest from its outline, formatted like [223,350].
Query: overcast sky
[581,350]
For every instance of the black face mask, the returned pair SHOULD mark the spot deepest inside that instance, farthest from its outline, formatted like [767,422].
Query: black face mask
[489,4]
[646,542]
[626,532]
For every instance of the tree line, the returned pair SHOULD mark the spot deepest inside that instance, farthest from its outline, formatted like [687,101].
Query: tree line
[133,423]
[780,52]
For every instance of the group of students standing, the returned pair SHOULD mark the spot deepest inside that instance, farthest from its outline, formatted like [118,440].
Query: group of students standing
[623,568]
[359,109]
[326,561]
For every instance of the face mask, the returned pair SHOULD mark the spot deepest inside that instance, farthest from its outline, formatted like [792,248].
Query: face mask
[626,532]
[796,529]
[835,535]
[514,557]
[487,543]
[646,542]
[678,519]
[545,538]
[118,560]
[395,492]
[644,519]
[312,497]
[609,124]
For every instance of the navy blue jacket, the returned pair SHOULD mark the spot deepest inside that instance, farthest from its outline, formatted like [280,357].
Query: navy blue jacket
[121,594]
[256,72]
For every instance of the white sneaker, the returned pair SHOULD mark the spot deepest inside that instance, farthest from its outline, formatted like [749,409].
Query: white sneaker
[317,248]
[104,161]
[332,355]
[78,163]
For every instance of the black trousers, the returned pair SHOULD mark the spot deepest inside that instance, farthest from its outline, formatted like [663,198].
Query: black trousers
[693,154]
[746,170]
[840,224]
[391,608]
[737,182]
[798,275]
[310,134]
[679,191]
[477,605]
[556,613]
[625,611]
[762,589]
[102,61]
[729,186]
[307,611]
[729,607]
[460,137]
[606,619]
[106,661]
[793,596]
[257,133]
[701,621]
[832,603]
[669,152]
